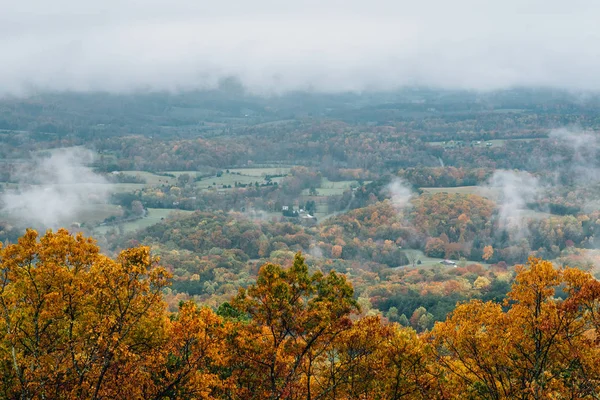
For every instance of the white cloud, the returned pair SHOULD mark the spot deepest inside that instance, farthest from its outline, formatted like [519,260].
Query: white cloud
[56,190]
[277,45]
[400,194]
[516,189]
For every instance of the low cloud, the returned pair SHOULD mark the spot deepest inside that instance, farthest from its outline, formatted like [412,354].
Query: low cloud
[581,156]
[514,190]
[315,250]
[274,46]
[400,194]
[54,191]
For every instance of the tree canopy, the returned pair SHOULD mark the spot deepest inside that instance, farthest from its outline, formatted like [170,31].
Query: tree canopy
[77,324]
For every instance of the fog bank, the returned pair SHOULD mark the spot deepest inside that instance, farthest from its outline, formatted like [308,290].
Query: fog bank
[55,190]
[272,46]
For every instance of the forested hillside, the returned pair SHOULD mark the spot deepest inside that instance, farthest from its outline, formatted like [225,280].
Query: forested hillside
[78,324]
[414,244]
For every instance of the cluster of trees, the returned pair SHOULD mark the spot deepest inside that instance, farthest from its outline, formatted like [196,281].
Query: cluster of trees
[444,176]
[78,324]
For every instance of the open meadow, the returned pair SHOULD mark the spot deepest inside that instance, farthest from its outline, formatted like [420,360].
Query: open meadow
[154,216]
[430,262]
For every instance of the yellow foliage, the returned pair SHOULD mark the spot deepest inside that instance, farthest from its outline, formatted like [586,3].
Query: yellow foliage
[77,324]
[481,282]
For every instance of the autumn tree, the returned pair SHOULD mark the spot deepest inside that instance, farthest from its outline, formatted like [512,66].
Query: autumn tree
[541,347]
[294,316]
[435,247]
[488,252]
[193,357]
[77,324]
[373,360]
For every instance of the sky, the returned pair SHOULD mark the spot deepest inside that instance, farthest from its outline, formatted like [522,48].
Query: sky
[279,45]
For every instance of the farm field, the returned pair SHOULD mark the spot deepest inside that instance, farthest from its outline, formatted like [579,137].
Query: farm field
[155,215]
[228,179]
[249,176]
[193,174]
[151,178]
[126,187]
[260,172]
[332,188]
[96,213]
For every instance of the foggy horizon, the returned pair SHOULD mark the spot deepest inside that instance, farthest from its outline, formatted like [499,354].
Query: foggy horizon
[329,46]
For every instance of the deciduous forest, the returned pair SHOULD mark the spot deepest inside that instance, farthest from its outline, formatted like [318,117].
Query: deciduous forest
[218,244]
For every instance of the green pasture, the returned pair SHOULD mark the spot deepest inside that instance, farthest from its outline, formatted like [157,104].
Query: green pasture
[333,188]
[261,172]
[192,174]
[96,213]
[228,179]
[155,215]
[430,262]
[152,178]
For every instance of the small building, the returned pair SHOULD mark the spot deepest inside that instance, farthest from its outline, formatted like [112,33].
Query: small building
[448,262]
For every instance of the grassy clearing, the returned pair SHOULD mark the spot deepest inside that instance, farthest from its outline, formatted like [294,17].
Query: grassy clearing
[247,176]
[327,184]
[332,188]
[191,173]
[228,179]
[322,211]
[430,262]
[154,179]
[155,215]
[125,187]
[261,172]
[325,191]
[96,213]
[151,178]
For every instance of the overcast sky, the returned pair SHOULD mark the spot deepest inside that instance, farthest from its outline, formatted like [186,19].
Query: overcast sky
[275,45]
